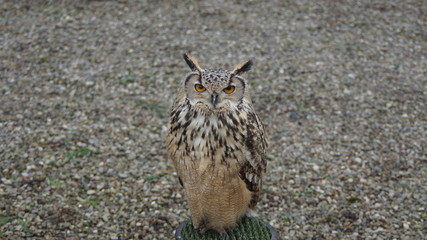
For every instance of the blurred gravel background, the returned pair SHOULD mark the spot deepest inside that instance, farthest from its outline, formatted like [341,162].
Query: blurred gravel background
[86,88]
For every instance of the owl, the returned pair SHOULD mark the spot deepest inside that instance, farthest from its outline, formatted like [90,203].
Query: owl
[217,144]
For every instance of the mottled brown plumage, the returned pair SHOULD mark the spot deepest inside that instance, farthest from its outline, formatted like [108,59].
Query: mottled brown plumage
[217,145]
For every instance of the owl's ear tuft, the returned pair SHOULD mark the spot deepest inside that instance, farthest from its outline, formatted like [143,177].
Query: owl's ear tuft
[242,67]
[192,63]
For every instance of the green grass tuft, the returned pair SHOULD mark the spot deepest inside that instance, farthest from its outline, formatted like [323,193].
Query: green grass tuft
[78,153]
[6,219]
[309,191]
[93,201]
[126,79]
[24,225]
[285,218]
[54,182]
[150,177]
[153,106]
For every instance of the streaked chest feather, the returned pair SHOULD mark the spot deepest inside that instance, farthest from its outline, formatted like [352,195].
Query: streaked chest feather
[215,138]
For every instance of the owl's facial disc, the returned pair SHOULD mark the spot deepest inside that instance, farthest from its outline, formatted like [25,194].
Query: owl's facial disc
[215,81]
[214,90]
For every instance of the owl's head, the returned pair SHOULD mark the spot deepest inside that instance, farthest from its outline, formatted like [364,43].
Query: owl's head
[216,89]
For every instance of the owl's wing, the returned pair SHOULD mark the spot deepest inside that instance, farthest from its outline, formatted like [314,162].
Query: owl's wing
[255,164]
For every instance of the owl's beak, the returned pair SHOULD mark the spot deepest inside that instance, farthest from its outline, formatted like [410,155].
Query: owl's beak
[214,97]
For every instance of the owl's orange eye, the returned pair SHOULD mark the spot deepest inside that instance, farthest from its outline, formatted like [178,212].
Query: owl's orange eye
[199,88]
[229,89]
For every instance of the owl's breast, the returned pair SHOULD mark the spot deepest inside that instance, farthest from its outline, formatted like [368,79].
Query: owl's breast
[203,140]
[217,141]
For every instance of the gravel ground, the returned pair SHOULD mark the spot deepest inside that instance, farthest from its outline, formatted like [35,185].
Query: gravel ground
[86,88]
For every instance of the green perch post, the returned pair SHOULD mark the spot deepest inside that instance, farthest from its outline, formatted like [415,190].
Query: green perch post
[248,228]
